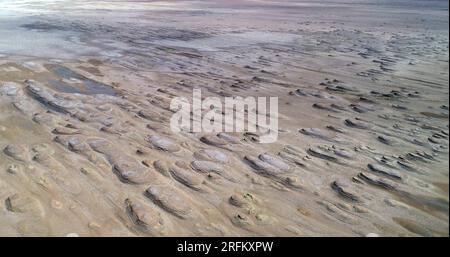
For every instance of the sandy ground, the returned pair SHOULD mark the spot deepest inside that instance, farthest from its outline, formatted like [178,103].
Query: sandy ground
[86,148]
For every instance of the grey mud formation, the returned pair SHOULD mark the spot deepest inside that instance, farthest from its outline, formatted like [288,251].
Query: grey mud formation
[86,148]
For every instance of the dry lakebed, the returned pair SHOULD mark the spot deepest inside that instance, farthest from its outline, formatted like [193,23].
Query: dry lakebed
[86,146]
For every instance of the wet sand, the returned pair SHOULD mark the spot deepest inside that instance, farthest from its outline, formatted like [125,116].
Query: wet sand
[86,146]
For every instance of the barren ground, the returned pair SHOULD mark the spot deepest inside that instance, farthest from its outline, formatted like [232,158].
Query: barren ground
[86,148]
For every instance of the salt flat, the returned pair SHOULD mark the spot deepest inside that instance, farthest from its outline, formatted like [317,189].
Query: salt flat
[86,145]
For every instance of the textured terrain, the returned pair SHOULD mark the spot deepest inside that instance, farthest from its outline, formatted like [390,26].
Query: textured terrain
[86,147]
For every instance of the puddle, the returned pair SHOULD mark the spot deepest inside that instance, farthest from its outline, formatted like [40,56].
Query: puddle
[85,86]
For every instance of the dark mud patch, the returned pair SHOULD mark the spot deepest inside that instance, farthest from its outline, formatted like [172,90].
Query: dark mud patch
[427,204]
[121,31]
[42,26]
[413,227]
[443,186]
[435,115]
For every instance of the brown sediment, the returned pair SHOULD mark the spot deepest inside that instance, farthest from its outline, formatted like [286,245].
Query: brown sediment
[86,146]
